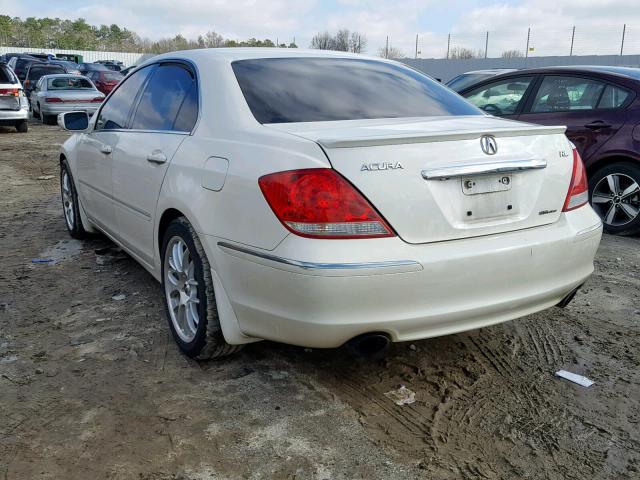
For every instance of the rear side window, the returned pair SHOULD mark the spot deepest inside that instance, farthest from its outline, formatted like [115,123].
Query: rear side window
[115,111]
[169,101]
[7,76]
[282,90]
[561,94]
[613,97]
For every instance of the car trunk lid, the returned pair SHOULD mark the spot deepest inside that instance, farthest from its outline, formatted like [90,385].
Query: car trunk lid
[431,180]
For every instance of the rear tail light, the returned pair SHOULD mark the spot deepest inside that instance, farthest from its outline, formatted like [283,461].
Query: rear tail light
[578,193]
[97,100]
[320,203]
[53,100]
[9,92]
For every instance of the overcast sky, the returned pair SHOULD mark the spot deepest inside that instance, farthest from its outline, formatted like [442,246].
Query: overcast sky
[598,22]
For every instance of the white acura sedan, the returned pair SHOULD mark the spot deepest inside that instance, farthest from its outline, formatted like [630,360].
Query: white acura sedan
[318,198]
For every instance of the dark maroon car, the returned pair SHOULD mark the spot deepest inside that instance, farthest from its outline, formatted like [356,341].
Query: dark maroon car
[105,80]
[600,107]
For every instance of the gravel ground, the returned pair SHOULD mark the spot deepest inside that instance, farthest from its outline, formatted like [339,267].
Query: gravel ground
[92,387]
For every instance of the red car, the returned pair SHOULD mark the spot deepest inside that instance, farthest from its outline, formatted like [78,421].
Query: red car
[105,80]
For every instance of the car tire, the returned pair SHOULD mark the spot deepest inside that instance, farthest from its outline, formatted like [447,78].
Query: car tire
[46,119]
[34,113]
[22,126]
[70,203]
[620,213]
[192,315]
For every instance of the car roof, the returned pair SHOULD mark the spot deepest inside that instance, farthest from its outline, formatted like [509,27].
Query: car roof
[497,71]
[233,54]
[628,72]
[64,75]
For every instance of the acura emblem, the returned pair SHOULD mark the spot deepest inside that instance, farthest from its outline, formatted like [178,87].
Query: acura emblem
[488,144]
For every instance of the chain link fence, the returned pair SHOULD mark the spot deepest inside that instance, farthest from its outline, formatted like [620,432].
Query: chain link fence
[532,42]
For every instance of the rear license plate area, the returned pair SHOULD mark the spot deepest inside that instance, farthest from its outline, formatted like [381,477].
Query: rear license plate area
[9,102]
[486,184]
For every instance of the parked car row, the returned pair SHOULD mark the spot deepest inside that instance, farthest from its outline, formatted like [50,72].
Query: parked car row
[600,107]
[48,85]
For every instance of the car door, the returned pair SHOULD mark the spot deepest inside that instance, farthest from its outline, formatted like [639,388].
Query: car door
[36,96]
[502,98]
[97,149]
[166,113]
[589,107]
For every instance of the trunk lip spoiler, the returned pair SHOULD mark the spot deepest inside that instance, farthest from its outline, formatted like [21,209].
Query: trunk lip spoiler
[439,136]
[483,168]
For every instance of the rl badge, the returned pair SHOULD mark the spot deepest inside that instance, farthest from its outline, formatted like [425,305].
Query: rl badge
[372,167]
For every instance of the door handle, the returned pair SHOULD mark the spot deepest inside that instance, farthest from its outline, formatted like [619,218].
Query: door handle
[597,125]
[106,149]
[156,157]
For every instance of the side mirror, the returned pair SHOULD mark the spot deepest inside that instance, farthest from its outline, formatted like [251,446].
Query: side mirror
[74,121]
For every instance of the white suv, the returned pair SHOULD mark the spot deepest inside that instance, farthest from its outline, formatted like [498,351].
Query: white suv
[14,107]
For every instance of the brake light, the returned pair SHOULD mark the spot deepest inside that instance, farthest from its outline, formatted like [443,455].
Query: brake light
[578,193]
[53,100]
[97,100]
[10,92]
[320,203]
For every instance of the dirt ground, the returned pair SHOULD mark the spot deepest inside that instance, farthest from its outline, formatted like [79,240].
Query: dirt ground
[94,388]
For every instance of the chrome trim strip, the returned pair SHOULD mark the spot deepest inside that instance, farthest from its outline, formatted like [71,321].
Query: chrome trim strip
[489,168]
[320,266]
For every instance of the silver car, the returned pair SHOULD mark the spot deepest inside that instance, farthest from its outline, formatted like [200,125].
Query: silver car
[55,94]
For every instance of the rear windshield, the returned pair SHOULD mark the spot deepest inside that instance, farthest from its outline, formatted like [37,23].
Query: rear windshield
[68,83]
[6,75]
[283,90]
[112,76]
[37,72]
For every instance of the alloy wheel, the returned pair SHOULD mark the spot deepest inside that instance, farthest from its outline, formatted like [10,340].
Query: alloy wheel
[67,200]
[616,198]
[181,289]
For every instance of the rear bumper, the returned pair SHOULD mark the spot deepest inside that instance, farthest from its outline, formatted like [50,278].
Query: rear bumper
[346,288]
[12,116]
[57,109]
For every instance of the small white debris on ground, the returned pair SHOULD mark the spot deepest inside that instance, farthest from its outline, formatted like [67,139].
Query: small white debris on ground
[401,396]
[575,378]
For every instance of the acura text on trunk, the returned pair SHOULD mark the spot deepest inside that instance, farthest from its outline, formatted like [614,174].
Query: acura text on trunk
[319,198]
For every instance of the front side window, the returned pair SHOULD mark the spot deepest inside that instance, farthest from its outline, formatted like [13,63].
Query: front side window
[282,90]
[169,100]
[562,94]
[501,97]
[115,112]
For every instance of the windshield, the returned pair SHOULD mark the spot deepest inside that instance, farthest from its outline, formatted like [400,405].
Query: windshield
[111,76]
[282,90]
[68,83]
[466,80]
[36,72]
